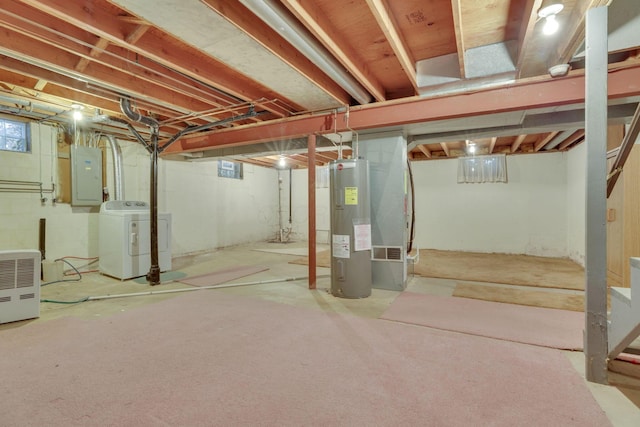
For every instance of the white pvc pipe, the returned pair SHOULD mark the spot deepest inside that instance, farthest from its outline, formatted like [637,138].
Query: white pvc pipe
[170,291]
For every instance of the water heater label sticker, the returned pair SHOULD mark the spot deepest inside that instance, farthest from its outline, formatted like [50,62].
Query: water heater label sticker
[340,246]
[361,237]
[350,195]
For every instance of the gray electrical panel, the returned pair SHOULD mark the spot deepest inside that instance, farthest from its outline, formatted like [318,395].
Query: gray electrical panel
[387,156]
[350,228]
[86,176]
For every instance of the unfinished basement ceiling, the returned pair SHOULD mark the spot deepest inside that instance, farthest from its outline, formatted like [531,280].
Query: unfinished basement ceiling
[431,69]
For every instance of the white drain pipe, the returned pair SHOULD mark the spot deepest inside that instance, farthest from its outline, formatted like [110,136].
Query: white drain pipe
[171,291]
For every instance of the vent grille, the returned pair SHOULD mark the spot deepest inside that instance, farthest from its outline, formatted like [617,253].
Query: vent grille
[394,253]
[24,277]
[19,285]
[388,253]
[7,274]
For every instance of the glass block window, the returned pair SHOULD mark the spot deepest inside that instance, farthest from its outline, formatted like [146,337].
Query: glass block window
[227,169]
[14,136]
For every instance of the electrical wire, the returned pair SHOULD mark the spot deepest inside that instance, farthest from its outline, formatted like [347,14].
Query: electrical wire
[412,230]
[65,302]
[65,280]
[90,259]
[79,278]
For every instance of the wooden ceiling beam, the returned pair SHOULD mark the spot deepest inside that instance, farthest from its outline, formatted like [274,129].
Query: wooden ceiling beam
[574,30]
[519,96]
[300,160]
[96,51]
[389,27]
[74,44]
[530,16]
[40,85]
[98,74]
[137,33]
[257,162]
[165,50]
[321,156]
[517,142]
[458,29]
[544,140]
[445,148]
[425,150]
[492,144]
[578,135]
[243,19]
[305,157]
[20,79]
[320,26]
[69,88]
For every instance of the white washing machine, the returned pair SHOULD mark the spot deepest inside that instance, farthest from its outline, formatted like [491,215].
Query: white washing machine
[125,239]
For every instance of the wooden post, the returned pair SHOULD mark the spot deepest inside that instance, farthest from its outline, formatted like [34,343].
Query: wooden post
[311,170]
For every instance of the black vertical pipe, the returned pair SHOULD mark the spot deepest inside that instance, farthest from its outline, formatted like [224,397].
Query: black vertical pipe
[153,277]
[42,238]
[290,197]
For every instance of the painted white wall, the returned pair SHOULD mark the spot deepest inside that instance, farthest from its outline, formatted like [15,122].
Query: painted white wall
[528,215]
[576,202]
[300,196]
[208,212]
[69,231]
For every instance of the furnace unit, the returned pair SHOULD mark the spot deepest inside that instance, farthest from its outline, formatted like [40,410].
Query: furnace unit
[350,229]
[386,153]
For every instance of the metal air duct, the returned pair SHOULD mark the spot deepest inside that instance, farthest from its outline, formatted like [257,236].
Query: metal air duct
[118,172]
[284,24]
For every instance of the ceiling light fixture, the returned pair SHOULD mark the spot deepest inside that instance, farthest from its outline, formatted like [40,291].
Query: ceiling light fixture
[282,163]
[272,13]
[471,147]
[77,111]
[548,13]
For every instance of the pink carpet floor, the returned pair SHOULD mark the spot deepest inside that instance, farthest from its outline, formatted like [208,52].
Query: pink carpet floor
[223,276]
[207,359]
[546,327]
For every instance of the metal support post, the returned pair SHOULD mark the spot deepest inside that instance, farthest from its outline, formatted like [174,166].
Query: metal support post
[596,328]
[311,170]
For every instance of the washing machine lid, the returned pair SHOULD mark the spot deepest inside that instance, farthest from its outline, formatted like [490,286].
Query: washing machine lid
[113,206]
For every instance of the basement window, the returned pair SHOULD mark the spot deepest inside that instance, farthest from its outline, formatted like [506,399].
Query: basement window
[322,176]
[227,169]
[14,136]
[480,169]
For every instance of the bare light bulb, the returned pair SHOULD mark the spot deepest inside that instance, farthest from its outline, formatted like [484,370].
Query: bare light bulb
[282,163]
[77,115]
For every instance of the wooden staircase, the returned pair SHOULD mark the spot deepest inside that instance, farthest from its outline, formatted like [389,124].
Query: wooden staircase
[624,318]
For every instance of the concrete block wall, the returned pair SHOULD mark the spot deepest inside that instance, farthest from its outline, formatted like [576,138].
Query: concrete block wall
[527,215]
[208,212]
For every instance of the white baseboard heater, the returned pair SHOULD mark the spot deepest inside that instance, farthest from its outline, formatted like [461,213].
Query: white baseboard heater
[19,285]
